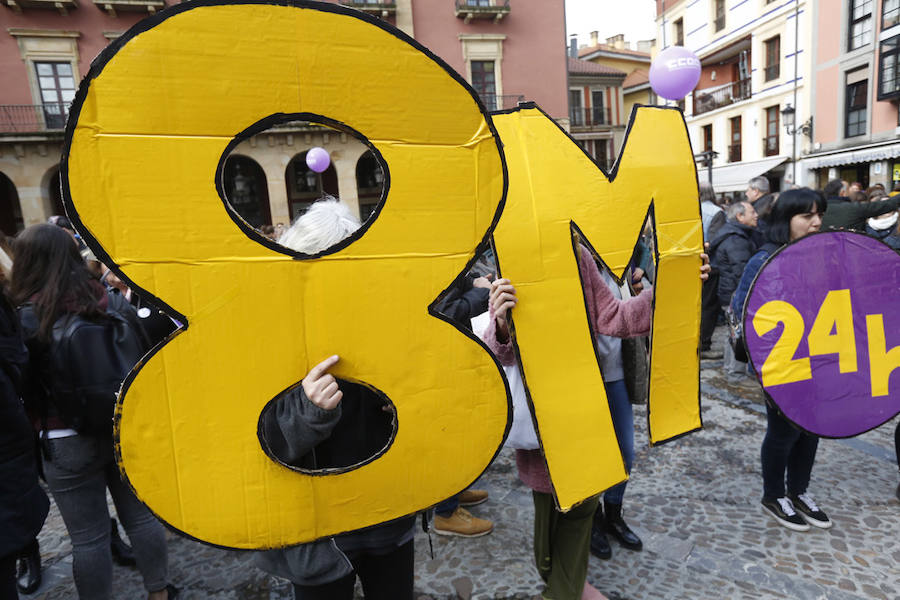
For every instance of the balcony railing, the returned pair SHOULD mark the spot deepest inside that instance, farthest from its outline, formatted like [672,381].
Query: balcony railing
[501,102]
[380,9]
[712,98]
[734,153]
[770,145]
[28,118]
[719,23]
[482,9]
[773,72]
[590,117]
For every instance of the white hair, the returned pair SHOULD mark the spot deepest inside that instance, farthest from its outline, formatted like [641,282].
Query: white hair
[5,263]
[324,224]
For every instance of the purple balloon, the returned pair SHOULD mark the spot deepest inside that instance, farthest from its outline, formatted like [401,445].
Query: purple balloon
[317,159]
[674,72]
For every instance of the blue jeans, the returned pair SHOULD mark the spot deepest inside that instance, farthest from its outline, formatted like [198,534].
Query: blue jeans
[79,471]
[623,422]
[447,507]
[786,448]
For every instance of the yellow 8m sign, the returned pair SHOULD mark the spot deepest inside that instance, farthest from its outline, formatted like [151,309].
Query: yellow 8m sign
[145,147]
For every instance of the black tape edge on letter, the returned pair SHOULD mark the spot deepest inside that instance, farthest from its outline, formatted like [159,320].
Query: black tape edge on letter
[769,400]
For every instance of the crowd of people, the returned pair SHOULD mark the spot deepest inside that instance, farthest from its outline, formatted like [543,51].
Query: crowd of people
[54,290]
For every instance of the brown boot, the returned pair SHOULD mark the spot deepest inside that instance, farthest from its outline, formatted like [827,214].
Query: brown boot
[463,524]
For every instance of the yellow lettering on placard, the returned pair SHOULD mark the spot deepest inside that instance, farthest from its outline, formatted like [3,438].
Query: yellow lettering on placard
[780,366]
[554,188]
[151,131]
[835,314]
[882,362]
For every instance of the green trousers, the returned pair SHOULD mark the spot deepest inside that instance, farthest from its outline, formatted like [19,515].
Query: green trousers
[562,543]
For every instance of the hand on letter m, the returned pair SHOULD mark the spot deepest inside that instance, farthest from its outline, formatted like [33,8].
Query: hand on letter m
[320,386]
[502,299]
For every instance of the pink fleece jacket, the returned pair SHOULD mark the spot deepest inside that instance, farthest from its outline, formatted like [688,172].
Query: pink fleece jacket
[609,316]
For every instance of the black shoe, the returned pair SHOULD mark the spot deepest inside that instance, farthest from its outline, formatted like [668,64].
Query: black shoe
[599,544]
[121,552]
[619,529]
[811,513]
[28,569]
[782,510]
[173,591]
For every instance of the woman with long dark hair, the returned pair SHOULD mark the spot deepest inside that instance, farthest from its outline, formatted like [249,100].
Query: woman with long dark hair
[50,281]
[786,450]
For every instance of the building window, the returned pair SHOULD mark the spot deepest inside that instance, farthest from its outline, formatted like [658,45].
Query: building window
[734,149]
[890,13]
[855,111]
[57,88]
[576,109]
[860,23]
[770,142]
[484,82]
[888,73]
[598,114]
[600,153]
[679,32]
[707,138]
[773,58]
[720,15]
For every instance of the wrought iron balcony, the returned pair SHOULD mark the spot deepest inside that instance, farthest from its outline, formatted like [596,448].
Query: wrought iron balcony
[734,153]
[482,9]
[32,118]
[590,117]
[770,145]
[379,9]
[712,98]
[501,102]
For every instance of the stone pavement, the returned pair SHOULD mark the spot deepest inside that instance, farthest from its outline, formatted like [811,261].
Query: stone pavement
[695,502]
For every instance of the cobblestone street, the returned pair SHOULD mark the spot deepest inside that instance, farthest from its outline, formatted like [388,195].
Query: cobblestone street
[694,501]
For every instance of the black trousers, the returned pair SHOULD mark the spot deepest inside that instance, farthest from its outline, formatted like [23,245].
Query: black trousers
[709,311]
[383,576]
[897,443]
[8,578]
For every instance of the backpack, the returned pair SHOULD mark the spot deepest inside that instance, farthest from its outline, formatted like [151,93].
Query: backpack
[87,361]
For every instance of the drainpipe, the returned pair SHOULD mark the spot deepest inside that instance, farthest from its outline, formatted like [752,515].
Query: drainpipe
[796,74]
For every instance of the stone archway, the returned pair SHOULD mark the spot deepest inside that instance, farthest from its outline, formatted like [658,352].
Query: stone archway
[369,184]
[52,192]
[304,186]
[244,182]
[11,221]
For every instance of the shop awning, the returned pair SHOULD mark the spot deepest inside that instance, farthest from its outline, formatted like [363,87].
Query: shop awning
[734,177]
[886,151]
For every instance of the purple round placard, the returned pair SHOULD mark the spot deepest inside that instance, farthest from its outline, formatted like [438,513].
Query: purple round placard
[860,277]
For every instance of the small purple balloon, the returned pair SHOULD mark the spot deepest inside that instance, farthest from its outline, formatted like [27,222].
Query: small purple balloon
[317,159]
[674,72]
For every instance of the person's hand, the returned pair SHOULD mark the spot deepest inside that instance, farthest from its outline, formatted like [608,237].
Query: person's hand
[636,284]
[502,299]
[321,387]
[481,282]
[704,268]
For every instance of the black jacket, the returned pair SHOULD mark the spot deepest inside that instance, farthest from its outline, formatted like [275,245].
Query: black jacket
[23,504]
[300,434]
[729,252]
[853,215]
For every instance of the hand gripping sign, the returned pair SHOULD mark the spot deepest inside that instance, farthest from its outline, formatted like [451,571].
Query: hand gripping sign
[145,146]
[818,335]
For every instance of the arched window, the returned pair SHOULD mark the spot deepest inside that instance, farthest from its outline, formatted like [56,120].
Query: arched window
[369,184]
[11,221]
[305,186]
[246,190]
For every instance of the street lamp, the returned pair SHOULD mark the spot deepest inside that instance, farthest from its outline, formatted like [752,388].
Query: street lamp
[788,116]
